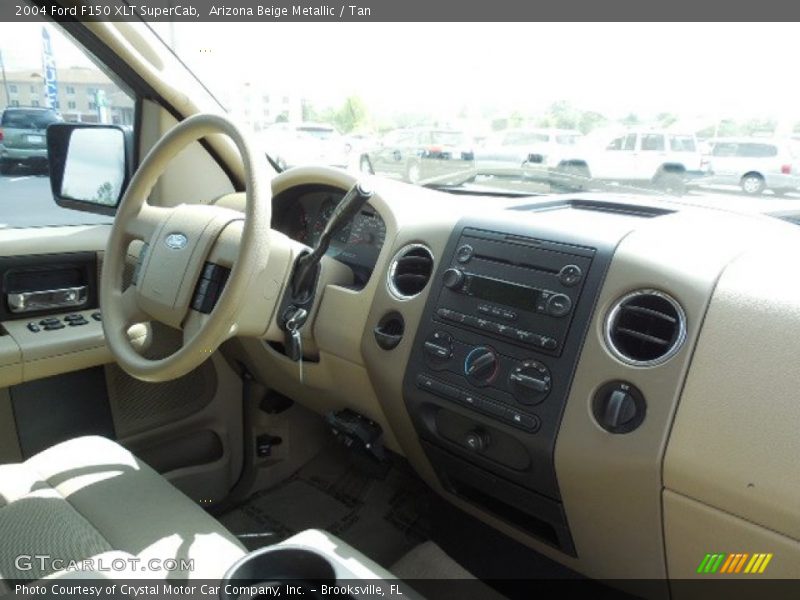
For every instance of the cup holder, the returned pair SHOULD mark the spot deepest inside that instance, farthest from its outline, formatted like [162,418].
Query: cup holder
[295,571]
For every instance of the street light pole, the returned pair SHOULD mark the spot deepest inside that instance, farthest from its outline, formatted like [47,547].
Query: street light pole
[5,81]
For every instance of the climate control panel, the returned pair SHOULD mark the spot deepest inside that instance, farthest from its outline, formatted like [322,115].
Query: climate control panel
[524,383]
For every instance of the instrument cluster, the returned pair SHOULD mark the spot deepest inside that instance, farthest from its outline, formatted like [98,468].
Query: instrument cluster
[303,213]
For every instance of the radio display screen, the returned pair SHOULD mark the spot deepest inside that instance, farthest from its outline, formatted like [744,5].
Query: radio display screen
[504,292]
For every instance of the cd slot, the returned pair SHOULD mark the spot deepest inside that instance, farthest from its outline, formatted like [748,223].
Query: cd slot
[502,261]
[529,258]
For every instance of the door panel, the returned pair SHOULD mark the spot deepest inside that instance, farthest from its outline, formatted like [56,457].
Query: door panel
[190,429]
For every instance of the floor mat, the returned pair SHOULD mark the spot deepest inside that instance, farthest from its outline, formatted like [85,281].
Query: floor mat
[383,516]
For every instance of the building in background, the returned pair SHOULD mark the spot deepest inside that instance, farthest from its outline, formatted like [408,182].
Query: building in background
[84,94]
[258,106]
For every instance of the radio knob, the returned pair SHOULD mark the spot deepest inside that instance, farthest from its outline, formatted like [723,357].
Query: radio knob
[453,278]
[530,382]
[558,305]
[481,364]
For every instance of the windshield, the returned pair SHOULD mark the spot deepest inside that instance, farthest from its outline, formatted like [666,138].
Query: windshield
[636,112]
[28,119]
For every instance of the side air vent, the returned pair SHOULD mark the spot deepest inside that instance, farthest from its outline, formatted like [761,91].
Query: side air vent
[645,328]
[410,271]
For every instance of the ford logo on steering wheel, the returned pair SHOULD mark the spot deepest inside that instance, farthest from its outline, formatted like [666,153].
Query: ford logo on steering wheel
[176,241]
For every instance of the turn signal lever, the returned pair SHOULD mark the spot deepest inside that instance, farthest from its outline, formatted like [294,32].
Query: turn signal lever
[306,267]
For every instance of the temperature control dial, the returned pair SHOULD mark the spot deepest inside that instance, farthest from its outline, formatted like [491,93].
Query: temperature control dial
[530,382]
[481,364]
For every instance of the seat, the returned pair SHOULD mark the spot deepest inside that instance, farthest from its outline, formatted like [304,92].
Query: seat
[89,497]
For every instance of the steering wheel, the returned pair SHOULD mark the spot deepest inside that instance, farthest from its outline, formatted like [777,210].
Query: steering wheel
[179,241]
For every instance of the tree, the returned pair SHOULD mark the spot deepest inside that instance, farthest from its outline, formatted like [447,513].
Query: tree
[105,194]
[351,115]
[563,115]
[631,119]
[666,119]
[590,120]
[759,126]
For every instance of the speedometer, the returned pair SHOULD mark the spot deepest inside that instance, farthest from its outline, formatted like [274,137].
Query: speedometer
[368,230]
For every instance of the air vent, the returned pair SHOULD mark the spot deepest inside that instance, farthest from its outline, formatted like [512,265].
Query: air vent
[410,271]
[389,331]
[645,328]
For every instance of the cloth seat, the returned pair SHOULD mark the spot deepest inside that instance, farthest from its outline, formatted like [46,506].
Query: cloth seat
[88,498]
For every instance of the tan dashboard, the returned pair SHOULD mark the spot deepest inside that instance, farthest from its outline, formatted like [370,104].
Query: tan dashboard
[716,444]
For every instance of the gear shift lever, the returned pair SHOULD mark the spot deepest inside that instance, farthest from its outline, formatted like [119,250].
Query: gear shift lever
[305,269]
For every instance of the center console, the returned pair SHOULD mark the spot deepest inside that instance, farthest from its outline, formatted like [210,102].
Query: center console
[312,564]
[492,366]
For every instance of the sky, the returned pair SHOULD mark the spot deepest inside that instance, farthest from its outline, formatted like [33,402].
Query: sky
[724,70]
[741,69]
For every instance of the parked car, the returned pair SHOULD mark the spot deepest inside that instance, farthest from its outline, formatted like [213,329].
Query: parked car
[664,158]
[293,144]
[516,147]
[417,154]
[23,137]
[755,164]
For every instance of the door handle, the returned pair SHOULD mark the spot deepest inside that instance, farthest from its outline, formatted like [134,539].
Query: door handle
[22,302]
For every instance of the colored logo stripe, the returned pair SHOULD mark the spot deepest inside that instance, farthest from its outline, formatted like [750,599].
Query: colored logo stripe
[741,562]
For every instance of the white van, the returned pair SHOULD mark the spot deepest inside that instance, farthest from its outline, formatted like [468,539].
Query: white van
[755,164]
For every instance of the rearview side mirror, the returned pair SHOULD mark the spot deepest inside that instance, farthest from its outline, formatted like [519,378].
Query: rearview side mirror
[90,165]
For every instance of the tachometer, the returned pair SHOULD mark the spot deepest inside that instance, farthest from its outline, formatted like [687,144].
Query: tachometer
[295,223]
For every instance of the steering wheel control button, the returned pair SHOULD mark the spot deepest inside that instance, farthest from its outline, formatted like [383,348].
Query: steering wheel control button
[464,253]
[34,327]
[619,407]
[530,382]
[570,275]
[558,305]
[453,279]
[481,365]
[209,287]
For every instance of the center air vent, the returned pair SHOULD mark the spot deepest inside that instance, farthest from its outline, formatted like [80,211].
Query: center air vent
[645,328]
[410,271]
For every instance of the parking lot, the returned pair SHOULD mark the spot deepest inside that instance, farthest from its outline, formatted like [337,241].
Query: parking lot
[26,201]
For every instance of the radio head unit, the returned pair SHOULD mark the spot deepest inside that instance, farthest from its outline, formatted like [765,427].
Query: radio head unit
[519,290]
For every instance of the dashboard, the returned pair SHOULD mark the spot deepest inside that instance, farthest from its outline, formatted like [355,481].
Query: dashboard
[565,365]
[302,214]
